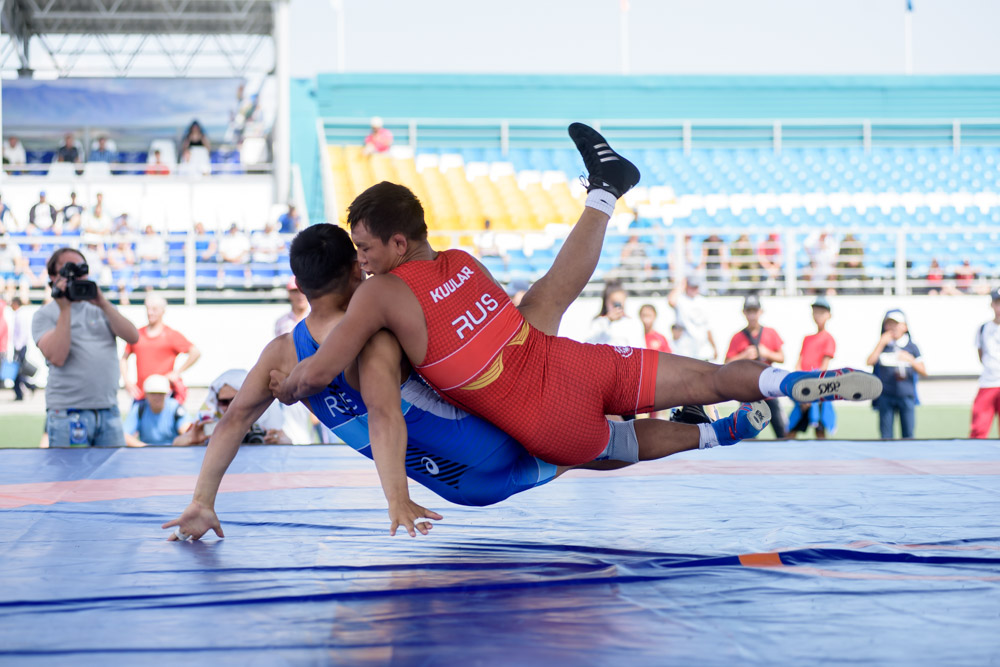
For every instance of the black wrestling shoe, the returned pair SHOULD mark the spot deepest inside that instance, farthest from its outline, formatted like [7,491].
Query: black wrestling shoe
[690,414]
[606,169]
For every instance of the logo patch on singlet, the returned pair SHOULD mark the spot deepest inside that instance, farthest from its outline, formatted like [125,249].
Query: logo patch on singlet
[448,288]
[626,352]
[443,470]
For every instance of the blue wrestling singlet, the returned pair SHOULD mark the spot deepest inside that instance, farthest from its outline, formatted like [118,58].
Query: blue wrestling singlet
[461,458]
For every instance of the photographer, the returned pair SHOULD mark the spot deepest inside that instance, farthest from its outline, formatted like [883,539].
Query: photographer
[77,333]
[267,430]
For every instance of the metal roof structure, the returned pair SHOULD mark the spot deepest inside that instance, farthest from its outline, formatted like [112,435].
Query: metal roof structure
[138,37]
[155,38]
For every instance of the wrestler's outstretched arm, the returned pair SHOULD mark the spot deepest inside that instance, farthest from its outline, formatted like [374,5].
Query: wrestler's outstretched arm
[379,368]
[250,402]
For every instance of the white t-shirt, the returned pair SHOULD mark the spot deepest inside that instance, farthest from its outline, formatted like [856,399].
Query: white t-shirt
[266,246]
[233,247]
[692,314]
[988,342]
[623,332]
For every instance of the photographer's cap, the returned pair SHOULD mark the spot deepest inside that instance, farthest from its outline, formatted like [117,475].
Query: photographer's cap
[896,315]
[995,294]
[156,384]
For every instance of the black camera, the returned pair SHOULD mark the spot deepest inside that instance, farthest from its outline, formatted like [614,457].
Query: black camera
[255,436]
[76,289]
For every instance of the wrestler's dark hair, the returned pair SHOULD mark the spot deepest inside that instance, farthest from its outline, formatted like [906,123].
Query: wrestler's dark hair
[387,209]
[53,261]
[322,257]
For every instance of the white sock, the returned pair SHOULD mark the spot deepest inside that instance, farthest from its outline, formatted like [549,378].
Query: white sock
[770,382]
[602,200]
[707,437]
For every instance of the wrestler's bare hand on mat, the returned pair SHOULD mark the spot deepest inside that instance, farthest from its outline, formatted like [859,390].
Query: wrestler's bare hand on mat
[412,517]
[194,522]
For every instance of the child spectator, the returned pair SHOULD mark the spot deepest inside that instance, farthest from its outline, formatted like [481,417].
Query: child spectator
[817,351]
[761,344]
[654,339]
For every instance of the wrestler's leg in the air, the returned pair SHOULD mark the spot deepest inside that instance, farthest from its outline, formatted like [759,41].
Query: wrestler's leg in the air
[609,176]
[684,381]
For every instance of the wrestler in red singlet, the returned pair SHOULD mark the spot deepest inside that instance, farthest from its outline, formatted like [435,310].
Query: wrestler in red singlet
[549,393]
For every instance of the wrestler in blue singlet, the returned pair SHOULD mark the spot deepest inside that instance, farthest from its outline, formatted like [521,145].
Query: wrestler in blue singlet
[461,458]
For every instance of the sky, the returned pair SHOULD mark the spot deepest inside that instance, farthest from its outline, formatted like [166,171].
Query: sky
[664,36]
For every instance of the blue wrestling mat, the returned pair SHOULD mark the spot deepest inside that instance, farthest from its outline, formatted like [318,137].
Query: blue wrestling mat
[788,553]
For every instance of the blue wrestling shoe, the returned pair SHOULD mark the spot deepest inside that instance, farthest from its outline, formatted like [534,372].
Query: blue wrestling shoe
[843,384]
[745,423]
[606,169]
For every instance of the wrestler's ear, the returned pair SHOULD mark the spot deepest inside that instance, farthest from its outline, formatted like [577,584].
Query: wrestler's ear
[399,244]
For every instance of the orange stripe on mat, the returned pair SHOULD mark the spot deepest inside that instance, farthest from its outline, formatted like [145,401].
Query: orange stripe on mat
[89,490]
[761,560]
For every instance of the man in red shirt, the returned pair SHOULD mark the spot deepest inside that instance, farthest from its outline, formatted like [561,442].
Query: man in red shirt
[816,355]
[157,351]
[763,344]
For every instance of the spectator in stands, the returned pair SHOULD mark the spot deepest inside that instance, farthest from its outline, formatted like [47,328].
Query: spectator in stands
[965,277]
[770,258]
[71,213]
[486,243]
[289,222]
[681,341]
[78,339]
[156,419]
[97,221]
[715,263]
[4,334]
[268,429]
[121,225]
[379,140]
[612,326]
[266,245]
[763,344]
[121,261]
[41,216]
[195,136]
[234,247]
[743,260]
[897,364]
[13,264]
[157,351]
[300,308]
[102,153]
[823,251]
[691,311]
[205,245]
[654,339]
[150,247]
[986,406]
[8,222]
[634,263]
[186,167]
[156,165]
[816,354]
[13,151]
[851,262]
[935,280]
[69,152]
[97,258]
[19,340]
